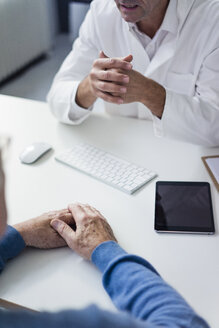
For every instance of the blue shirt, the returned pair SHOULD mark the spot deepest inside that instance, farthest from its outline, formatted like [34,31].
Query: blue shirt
[135,287]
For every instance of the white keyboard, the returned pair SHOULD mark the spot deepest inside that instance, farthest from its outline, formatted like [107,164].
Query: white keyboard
[106,167]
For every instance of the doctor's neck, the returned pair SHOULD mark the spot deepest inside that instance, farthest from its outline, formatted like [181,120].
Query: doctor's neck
[151,23]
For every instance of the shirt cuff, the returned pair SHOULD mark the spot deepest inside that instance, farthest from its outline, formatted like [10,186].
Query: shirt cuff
[104,253]
[11,244]
[77,113]
[171,115]
[169,109]
[158,123]
[158,126]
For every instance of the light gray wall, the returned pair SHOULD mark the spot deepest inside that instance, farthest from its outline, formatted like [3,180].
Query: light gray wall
[77,13]
[53,17]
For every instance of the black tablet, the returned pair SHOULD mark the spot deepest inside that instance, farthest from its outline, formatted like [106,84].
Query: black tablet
[183,207]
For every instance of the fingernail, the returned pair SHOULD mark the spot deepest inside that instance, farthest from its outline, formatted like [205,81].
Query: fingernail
[123,90]
[126,79]
[129,66]
[120,101]
[55,224]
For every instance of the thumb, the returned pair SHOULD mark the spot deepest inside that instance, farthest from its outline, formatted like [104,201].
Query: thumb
[64,230]
[128,58]
[102,55]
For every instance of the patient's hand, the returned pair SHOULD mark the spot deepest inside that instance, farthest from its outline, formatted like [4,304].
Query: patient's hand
[38,233]
[91,229]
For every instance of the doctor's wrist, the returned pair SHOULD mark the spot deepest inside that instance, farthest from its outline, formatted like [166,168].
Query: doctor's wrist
[84,96]
[154,97]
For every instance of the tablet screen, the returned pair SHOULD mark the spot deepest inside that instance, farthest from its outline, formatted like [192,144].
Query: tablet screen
[183,207]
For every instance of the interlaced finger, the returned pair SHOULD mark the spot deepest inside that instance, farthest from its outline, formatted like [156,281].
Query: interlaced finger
[107,63]
[113,76]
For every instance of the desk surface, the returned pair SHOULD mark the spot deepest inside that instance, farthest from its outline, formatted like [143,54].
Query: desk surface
[56,279]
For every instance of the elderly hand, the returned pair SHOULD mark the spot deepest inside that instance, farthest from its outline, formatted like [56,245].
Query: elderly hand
[38,232]
[92,229]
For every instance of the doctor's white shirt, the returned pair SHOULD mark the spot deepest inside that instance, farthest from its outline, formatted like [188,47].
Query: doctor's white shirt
[183,57]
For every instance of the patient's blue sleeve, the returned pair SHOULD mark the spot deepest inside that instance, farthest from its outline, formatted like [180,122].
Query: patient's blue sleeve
[135,287]
[11,245]
[141,295]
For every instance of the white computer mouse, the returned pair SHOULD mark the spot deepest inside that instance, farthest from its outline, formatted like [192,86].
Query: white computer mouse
[33,152]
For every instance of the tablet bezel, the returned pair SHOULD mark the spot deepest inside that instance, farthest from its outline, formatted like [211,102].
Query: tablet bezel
[182,229]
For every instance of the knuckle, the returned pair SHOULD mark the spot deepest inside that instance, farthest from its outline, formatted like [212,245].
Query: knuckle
[92,74]
[118,78]
[95,63]
[87,206]
[106,97]
[112,61]
[122,78]
[83,217]
[60,213]
[111,98]
[70,205]
[102,86]
[77,205]
[106,75]
[62,229]
[103,96]
[116,89]
[97,217]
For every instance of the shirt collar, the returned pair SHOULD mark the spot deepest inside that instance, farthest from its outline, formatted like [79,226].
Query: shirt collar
[170,22]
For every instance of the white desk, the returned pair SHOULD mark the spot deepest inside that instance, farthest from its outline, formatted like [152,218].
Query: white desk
[56,279]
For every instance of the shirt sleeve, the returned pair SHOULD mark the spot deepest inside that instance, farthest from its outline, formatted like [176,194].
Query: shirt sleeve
[194,118]
[75,68]
[90,317]
[11,245]
[136,287]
